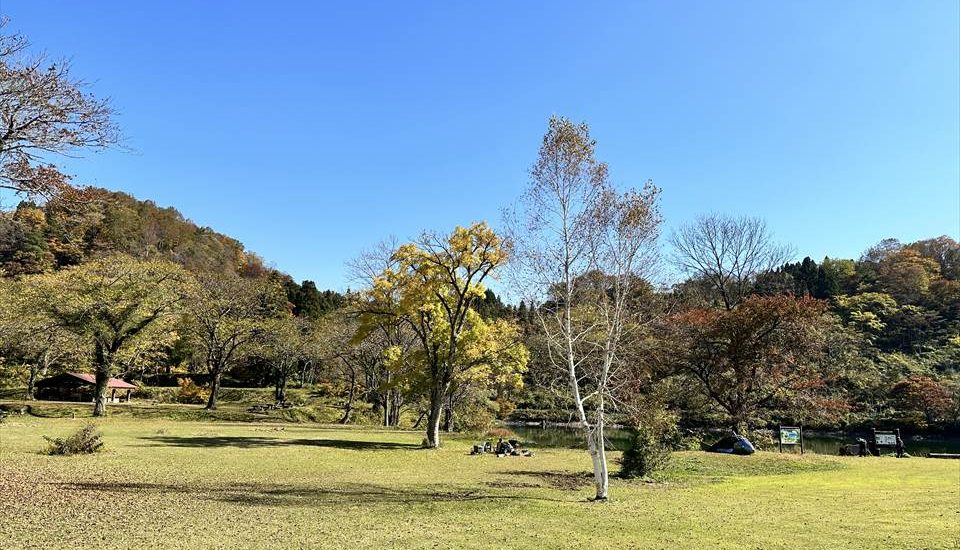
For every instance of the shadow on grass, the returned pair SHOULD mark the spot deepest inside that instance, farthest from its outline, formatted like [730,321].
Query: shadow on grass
[251,442]
[348,494]
[569,481]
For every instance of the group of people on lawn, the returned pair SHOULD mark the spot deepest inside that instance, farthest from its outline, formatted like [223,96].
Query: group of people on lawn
[503,448]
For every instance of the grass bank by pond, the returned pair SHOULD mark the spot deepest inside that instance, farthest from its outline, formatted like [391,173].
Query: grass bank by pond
[562,436]
[174,484]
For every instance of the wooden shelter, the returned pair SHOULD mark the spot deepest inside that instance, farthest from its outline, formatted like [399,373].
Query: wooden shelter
[75,386]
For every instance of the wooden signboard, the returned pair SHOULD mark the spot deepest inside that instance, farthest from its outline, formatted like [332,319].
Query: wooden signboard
[886,439]
[791,435]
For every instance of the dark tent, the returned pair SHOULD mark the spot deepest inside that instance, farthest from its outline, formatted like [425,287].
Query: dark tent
[731,444]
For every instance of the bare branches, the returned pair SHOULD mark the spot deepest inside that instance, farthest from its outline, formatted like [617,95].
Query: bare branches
[728,253]
[44,110]
[583,253]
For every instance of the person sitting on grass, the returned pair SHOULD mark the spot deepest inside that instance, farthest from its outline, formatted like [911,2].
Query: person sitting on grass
[504,448]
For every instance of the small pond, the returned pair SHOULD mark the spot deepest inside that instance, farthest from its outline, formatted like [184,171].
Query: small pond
[562,436]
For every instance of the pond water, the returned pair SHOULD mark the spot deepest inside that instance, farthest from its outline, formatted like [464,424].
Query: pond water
[562,436]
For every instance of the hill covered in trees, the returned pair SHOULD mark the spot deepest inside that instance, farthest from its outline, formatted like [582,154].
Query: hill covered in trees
[70,230]
[64,231]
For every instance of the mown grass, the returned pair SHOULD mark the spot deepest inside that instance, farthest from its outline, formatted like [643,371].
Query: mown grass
[168,484]
[232,407]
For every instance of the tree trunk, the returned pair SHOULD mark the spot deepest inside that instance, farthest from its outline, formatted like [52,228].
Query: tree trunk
[395,406]
[31,382]
[214,390]
[420,418]
[598,453]
[348,408]
[385,405]
[433,427]
[433,419]
[281,389]
[103,361]
[448,419]
[100,393]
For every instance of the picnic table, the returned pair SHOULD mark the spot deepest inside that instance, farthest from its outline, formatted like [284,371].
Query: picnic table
[266,407]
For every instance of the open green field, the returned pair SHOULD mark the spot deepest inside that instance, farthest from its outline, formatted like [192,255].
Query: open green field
[176,484]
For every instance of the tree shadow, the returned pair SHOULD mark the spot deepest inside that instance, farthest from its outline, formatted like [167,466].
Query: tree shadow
[569,481]
[352,444]
[251,442]
[348,494]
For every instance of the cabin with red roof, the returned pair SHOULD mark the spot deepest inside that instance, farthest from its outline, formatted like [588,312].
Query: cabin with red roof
[75,386]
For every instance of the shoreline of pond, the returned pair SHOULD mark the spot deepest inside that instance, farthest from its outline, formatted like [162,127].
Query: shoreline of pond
[566,435]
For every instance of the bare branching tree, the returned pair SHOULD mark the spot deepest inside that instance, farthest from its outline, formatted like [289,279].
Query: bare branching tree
[582,252]
[44,110]
[727,253]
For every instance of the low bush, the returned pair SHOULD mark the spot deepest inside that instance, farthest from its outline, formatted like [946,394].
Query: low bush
[157,394]
[647,452]
[192,393]
[85,441]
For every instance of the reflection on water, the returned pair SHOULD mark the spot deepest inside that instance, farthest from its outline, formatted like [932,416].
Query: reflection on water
[560,436]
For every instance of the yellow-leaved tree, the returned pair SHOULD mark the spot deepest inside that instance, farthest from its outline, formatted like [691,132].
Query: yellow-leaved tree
[431,286]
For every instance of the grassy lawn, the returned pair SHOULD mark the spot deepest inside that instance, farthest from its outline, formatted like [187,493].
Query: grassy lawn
[174,484]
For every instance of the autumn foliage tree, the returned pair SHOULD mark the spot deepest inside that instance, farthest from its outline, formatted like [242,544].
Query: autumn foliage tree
[922,400]
[285,342]
[583,250]
[762,355]
[224,314]
[430,288]
[31,337]
[44,110]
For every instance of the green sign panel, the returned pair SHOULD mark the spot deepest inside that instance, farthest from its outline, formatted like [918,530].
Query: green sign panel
[790,436]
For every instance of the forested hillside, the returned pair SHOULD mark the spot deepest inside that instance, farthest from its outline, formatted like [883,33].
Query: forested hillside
[69,231]
[76,229]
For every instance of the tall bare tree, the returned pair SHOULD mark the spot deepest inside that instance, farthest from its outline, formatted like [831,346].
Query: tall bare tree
[727,253]
[582,251]
[386,382]
[44,110]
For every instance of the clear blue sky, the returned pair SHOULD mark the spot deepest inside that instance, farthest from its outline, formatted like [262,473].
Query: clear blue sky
[310,130]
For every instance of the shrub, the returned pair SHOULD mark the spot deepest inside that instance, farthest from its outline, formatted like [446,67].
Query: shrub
[762,439]
[647,452]
[191,393]
[85,441]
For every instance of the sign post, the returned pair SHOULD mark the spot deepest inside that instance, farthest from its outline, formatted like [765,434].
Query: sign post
[791,435]
[885,438]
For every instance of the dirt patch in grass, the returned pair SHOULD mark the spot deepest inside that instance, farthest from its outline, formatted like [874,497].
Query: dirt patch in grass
[567,481]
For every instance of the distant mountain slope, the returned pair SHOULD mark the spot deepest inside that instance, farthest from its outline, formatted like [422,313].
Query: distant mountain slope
[35,239]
